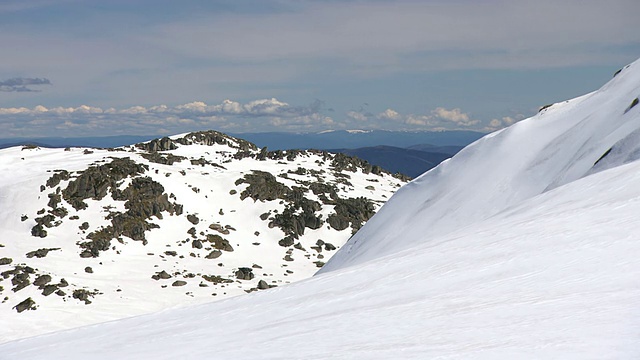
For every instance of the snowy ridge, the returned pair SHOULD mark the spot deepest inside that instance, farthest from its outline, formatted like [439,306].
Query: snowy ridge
[558,145]
[509,250]
[91,235]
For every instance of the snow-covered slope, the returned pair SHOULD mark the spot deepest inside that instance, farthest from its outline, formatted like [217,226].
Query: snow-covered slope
[507,251]
[556,277]
[560,144]
[90,235]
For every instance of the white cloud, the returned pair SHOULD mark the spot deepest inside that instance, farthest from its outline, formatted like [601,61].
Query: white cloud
[256,115]
[356,115]
[454,115]
[390,114]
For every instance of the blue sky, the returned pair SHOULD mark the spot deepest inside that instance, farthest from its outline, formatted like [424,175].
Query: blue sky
[154,67]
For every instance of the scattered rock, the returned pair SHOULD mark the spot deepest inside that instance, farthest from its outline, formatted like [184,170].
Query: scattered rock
[26,304]
[49,289]
[42,280]
[161,275]
[88,270]
[193,219]
[214,254]
[83,295]
[244,273]
[6,261]
[179,283]
[262,285]
[40,253]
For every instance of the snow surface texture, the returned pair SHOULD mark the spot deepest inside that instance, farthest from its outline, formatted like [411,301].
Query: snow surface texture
[507,251]
[119,282]
[558,145]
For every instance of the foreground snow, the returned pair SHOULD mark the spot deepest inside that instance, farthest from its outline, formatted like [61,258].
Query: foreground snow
[556,277]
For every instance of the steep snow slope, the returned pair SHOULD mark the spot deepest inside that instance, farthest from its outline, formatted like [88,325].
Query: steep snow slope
[91,235]
[555,277]
[558,145]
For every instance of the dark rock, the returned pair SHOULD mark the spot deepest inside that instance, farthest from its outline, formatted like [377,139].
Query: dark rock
[61,293]
[196,244]
[95,181]
[49,289]
[58,176]
[83,295]
[263,186]
[286,241]
[179,283]
[38,231]
[329,247]
[42,280]
[262,285]
[84,226]
[6,261]
[193,219]
[214,254]
[161,275]
[219,243]
[170,253]
[162,144]
[216,279]
[63,283]
[88,270]
[287,258]
[352,210]
[244,273]
[40,253]
[26,304]
[165,159]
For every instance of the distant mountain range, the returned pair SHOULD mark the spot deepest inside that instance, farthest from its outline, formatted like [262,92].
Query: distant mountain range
[352,139]
[410,162]
[409,153]
[340,139]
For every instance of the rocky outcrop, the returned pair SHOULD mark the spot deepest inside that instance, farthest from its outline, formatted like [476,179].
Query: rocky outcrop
[96,181]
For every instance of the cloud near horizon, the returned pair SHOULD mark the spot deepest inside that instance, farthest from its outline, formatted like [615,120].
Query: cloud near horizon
[259,115]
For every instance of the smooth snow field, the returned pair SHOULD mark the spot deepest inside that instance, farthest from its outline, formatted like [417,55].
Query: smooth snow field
[525,245]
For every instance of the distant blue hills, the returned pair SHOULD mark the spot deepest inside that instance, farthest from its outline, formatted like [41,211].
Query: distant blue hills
[410,153]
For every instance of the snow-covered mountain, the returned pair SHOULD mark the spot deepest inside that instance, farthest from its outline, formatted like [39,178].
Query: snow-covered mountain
[91,235]
[524,245]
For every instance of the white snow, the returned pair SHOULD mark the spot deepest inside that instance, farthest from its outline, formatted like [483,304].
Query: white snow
[517,248]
